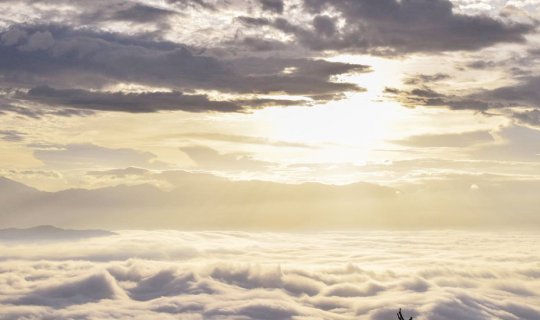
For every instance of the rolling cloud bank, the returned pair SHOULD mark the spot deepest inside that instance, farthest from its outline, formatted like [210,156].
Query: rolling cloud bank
[443,275]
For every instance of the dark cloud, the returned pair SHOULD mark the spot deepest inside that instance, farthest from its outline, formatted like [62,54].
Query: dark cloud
[523,94]
[97,12]
[144,102]
[70,57]
[141,13]
[482,64]
[11,135]
[193,3]
[26,112]
[424,96]
[291,84]
[250,21]
[275,6]
[10,104]
[128,102]
[138,16]
[399,26]
[425,78]
[260,45]
[531,117]
[304,77]
[32,56]
[157,63]
[325,25]
[420,25]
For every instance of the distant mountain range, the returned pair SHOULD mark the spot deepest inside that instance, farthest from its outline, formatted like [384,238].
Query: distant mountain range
[203,201]
[193,201]
[49,233]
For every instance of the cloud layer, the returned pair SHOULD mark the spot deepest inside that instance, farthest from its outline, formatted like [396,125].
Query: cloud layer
[65,54]
[396,27]
[56,65]
[236,275]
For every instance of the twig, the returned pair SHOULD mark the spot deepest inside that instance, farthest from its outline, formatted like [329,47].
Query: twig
[400,315]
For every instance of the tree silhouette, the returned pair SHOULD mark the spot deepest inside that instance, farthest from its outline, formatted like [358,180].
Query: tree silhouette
[400,316]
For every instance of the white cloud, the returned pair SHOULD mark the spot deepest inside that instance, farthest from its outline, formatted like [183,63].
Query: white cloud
[238,275]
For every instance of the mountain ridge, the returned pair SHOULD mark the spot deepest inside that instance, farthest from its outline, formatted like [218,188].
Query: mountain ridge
[50,233]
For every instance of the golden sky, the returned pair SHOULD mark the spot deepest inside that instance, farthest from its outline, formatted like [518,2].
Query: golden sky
[432,102]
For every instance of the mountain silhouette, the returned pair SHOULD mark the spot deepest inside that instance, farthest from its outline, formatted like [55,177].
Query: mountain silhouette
[49,233]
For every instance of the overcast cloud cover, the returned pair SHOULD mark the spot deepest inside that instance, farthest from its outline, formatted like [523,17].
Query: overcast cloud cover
[444,275]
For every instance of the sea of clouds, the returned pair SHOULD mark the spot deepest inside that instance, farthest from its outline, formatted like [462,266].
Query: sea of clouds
[444,275]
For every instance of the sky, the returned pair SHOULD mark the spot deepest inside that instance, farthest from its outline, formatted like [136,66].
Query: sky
[270,114]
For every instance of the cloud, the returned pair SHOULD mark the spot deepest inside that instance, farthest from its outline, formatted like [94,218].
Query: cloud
[139,16]
[397,27]
[79,57]
[138,13]
[79,291]
[11,135]
[425,96]
[481,64]
[128,102]
[208,158]
[347,291]
[523,93]
[120,173]
[168,283]
[531,117]
[511,99]
[426,78]
[258,44]
[519,143]
[449,140]
[267,309]
[275,6]
[71,59]
[76,155]
[343,275]
[78,102]
[244,139]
